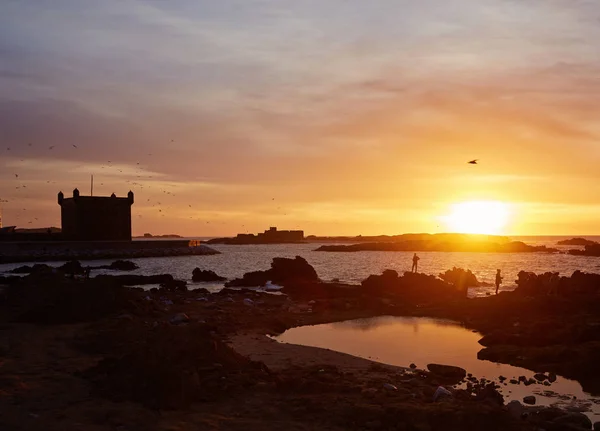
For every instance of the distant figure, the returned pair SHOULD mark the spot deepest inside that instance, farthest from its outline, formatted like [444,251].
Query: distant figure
[415,263]
[498,281]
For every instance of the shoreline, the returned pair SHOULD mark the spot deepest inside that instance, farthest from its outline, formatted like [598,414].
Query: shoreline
[72,342]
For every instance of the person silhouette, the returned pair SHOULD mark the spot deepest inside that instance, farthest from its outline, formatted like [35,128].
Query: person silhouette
[498,280]
[415,263]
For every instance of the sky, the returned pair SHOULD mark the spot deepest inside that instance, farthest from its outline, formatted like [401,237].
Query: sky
[339,117]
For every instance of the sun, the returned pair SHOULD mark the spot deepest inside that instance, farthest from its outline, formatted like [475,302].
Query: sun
[479,217]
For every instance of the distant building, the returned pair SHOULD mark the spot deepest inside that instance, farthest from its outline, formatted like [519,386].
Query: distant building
[273,236]
[96,218]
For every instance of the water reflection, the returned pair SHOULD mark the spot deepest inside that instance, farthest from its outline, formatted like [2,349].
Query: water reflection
[401,341]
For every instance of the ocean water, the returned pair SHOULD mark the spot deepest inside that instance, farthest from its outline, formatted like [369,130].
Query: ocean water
[236,260]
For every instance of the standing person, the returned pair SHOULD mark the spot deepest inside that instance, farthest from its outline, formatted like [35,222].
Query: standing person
[498,280]
[415,263]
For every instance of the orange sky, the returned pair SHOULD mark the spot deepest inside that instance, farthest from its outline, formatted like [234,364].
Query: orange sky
[337,118]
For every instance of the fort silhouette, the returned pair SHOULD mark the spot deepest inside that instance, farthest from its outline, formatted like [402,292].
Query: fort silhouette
[95,218]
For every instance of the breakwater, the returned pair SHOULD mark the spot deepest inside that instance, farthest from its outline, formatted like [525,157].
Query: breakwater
[34,251]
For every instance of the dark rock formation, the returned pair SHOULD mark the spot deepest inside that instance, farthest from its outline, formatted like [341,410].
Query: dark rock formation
[411,287]
[473,247]
[590,250]
[119,265]
[530,399]
[576,241]
[460,278]
[284,272]
[37,268]
[580,283]
[72,267]
[448,374]
[199,275]
[173,285]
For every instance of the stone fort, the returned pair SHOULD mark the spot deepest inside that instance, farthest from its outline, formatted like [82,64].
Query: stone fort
[95,218]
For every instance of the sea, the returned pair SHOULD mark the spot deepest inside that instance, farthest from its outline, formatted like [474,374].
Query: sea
[235,260]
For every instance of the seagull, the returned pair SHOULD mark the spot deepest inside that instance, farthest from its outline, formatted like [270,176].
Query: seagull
[74,146]
[51,147]
[473,162]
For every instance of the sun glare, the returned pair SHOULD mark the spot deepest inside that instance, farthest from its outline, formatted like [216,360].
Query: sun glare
[482,217]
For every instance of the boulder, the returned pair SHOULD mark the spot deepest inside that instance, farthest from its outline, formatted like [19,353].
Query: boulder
[551,377]
[205,276]
[515,409]
[530,399]
[448,373]
[284,272]
[540,377]
[460,278]
[574,419]
[596,426]
[72,267]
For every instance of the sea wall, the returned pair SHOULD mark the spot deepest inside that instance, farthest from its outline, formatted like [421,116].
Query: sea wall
[32,251]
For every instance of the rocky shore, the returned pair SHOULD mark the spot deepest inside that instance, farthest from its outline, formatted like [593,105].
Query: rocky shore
[472,247]
[95,354]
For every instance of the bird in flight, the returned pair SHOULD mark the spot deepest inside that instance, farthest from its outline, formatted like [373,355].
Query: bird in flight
[473,162]
[74,146]
[50,148]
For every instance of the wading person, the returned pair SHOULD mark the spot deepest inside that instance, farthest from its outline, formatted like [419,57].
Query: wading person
[415,263]
[498,280]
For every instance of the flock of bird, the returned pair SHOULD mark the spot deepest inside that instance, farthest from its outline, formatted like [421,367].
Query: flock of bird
[141,183]
[156,196]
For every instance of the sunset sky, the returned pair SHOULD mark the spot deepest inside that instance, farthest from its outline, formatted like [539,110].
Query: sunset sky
[334,116]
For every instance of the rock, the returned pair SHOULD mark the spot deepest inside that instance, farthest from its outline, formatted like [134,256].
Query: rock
[205,276]
[389,387]
[530,399]
[248,302]
[551,377]
[284,272]
[574,419]
[35,269]
[596,426]
[412,366]
[515,409]
[441,392]
[179,318]
[540,377]
[514,382]
[460,278]
[448,373]
[173,285]
[72,267]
